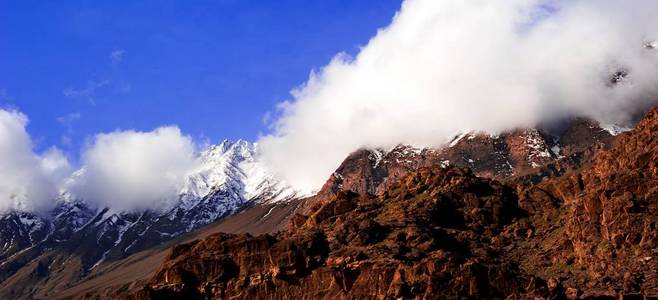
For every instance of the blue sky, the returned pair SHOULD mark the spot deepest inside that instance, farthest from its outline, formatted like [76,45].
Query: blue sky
[214,68]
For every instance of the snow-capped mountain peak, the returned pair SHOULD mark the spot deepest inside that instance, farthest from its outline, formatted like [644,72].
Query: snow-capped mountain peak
[228,177]
[233,164]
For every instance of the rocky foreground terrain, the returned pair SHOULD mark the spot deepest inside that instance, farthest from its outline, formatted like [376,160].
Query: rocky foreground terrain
[579,227]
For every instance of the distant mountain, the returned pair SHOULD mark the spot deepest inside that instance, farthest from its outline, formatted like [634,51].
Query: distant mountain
[76,238]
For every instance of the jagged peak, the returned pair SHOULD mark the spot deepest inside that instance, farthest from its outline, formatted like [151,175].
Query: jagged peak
[228,144]
[469,135]
[238,150]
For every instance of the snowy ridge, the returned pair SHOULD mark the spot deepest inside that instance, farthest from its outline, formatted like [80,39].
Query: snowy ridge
[615,129]
[457,139]
[538,150]
[234,166]
[229,177]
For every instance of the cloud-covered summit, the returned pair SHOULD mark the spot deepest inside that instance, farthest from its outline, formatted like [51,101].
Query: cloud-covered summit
[444,67]
[122,170]
[132,170]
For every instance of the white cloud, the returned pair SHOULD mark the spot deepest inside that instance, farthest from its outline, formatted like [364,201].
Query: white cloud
[122,170]
[444,67]
[56,166]
[28,182]
[440,68]
[131,170]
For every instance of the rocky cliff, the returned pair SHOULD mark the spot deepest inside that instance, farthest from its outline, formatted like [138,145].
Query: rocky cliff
[428,234]
[580,227]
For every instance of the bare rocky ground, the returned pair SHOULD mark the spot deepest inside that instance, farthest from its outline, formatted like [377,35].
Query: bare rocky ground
[579,227]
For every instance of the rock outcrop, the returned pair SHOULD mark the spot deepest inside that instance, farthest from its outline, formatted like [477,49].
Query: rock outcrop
[429,234]
[580,227]
[519,155]
[598,225]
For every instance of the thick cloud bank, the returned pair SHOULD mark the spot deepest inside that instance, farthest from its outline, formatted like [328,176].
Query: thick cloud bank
[449,66]
[131,170]
[28,182]
[123,170]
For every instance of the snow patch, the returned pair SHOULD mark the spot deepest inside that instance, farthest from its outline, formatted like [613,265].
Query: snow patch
[445,164]
[457,139]
[614,129]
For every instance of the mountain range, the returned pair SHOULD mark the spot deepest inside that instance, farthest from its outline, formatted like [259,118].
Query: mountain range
[383,211]
[75,238]
[579,226]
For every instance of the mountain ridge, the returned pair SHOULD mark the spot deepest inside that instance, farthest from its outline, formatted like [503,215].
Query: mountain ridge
[442,232]
[524,153]
[228,178]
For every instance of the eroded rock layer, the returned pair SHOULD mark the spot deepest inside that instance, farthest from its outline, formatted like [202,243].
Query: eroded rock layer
[440,231]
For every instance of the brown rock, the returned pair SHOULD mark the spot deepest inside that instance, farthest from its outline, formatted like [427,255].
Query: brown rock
[572,293]
[442,232]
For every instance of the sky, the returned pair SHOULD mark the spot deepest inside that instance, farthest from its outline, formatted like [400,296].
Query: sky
[447,67]
[216,69]
[128,93]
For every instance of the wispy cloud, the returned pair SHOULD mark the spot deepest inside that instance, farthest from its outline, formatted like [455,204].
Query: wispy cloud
[88,93]
[67,121]
[116,56]
[124,87]
[267,118]
[4,97]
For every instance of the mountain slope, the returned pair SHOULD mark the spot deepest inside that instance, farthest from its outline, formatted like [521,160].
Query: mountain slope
[443,232]
[518,153]
[402,244]
[42,255]
[117,278]
[367,171]
[104,243]
[607,213]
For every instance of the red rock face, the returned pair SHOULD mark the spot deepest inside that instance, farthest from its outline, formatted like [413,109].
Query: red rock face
[404,225]
[608,214]
[428,235]
[510,155]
